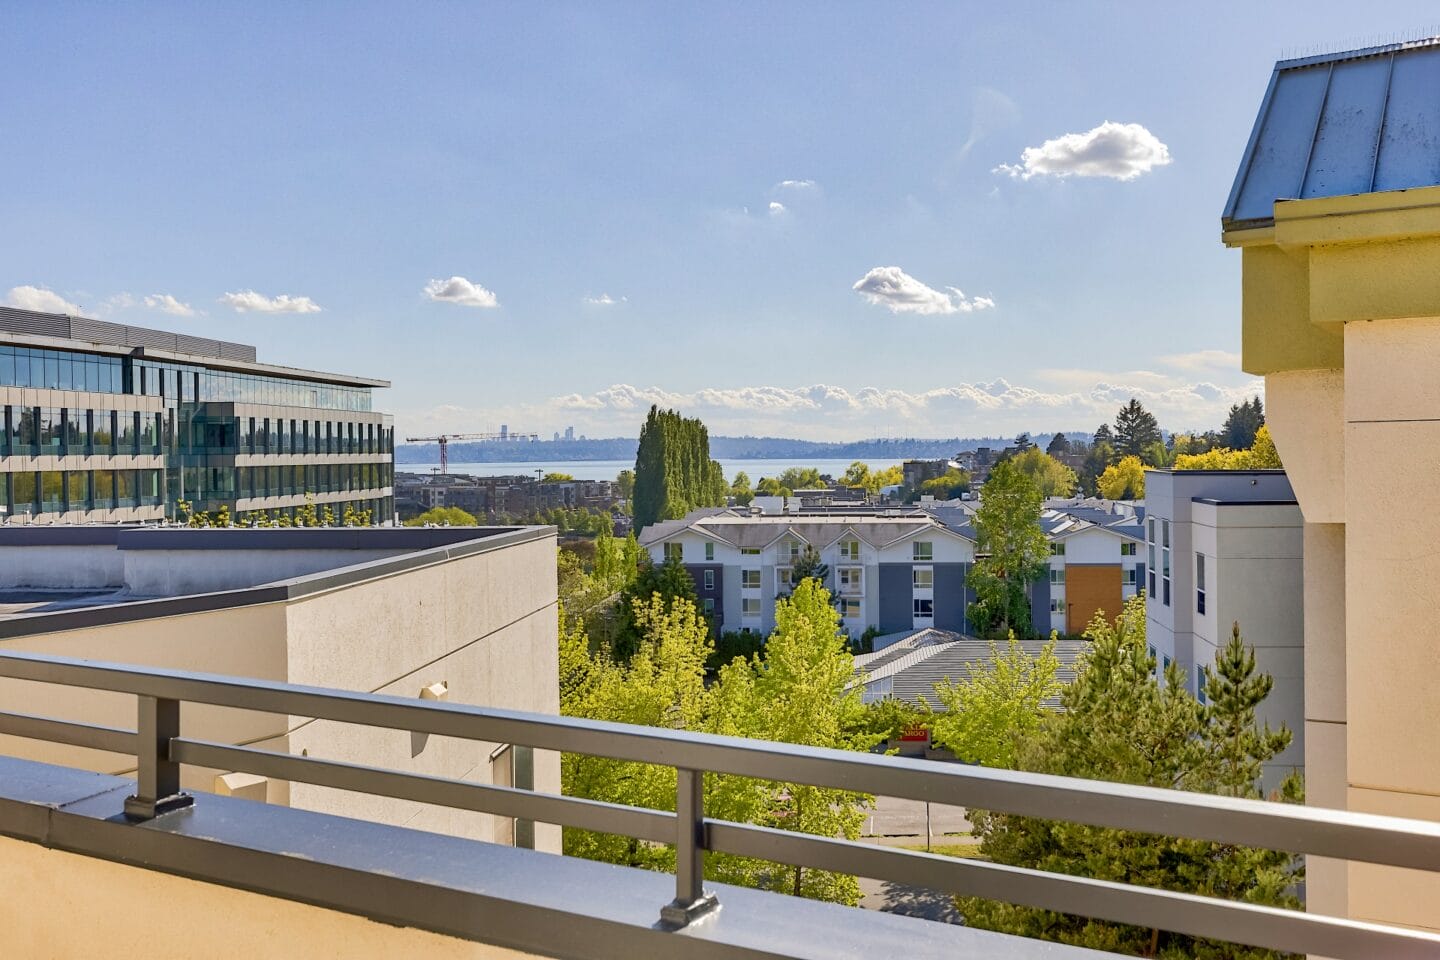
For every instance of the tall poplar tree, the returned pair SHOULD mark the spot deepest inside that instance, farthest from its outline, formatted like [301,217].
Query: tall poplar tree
[673,470]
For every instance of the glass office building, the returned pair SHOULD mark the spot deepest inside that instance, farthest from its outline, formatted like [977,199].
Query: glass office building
[106,423]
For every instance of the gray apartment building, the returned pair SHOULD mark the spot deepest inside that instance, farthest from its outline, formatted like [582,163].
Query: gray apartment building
[1226,547]
[106,423]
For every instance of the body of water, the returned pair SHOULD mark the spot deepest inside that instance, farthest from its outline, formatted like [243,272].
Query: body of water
[608,469]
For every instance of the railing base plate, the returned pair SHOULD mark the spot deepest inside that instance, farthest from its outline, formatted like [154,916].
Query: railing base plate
[677,914]
[140,808]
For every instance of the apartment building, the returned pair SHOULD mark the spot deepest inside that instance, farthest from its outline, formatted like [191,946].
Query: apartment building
[105,423]
[1335,209]
[895,570]
[1225,547]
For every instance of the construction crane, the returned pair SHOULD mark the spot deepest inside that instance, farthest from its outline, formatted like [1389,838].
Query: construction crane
[444,441]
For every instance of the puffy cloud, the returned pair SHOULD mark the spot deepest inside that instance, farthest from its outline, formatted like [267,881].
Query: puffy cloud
[165,303]
[460,291]
[248,301]
[776,208]
[796,185]
[39,298]
[830,412]
[1121,151]
[894,288]
[605,300]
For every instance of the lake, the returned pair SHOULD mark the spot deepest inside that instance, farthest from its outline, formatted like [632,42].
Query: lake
[607,469]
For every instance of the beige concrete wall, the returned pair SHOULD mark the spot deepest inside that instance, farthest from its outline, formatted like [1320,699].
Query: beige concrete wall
[241,641]
[64,906]
[485,625]
[169,573]
[1326,773]
[68,567]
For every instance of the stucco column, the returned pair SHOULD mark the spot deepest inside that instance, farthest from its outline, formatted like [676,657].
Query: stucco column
[1392,570]
[1326,774]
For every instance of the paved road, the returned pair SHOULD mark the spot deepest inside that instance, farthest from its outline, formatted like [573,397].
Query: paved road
[902,823]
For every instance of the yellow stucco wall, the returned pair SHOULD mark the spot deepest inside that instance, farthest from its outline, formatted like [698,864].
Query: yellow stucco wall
[64,906]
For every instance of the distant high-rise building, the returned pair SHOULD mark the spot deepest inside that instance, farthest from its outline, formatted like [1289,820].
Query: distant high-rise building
[504,431]
[569,433]
[557,436]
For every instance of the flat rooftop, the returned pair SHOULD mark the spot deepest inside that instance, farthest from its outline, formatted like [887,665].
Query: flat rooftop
[162,345]
[62,578]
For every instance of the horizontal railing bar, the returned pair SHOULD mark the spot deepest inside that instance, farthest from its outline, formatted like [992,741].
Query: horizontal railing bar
[639,822]
[1339,834]
[1271,927]
[89,735]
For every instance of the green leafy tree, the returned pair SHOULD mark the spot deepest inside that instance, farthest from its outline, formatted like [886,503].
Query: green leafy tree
[557,478]
[1135,429]
[1123,481]
[669,581]
[801,478]
[625,484]
[997,704]
[1052,477]
[771,487]
[1262,455]
[440,516]
[740,488]
[947,486]
[1119,723]
[673,470]
[1010,548]
[856,475]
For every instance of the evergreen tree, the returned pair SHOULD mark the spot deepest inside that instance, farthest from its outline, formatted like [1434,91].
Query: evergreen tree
[668,581]
[1023,442]
[673,470]
[1135,429]
[1241,424]
[1010,548]
[1059,445]
[1119,723]
[1103,435]
[807,566]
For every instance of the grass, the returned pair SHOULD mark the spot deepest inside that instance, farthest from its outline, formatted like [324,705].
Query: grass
[969,849]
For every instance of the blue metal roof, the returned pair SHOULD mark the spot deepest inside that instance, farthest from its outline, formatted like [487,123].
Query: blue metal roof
[1354,122]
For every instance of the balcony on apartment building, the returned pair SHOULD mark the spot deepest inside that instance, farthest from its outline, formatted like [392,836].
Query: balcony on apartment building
[93,862]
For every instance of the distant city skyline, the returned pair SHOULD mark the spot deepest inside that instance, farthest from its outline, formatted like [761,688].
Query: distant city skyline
[957,220]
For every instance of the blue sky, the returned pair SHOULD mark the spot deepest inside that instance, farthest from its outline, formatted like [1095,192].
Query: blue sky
[546,215]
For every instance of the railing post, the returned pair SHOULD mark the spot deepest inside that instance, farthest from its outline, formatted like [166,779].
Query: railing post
[691,901]
[157,779]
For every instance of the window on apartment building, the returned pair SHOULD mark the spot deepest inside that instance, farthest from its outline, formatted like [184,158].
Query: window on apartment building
[923,578]
[791,550]
[924,607]
[750,607]
[1202,678]
[850,608]
[850,578]
[1057,606]
[1167,662]
[749,551]
[750,579]
[1165,533]
[674,551]
[709,579]
[708,604]
[1150,530]
[783,580]
[1057,575]
[922,550]
[1127,577]
[1199,583]
[1165,562]
[849,549]
[709,550]
[1128,548]
[1057,549]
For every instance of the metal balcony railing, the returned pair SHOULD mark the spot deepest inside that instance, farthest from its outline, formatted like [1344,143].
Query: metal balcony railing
[161,748]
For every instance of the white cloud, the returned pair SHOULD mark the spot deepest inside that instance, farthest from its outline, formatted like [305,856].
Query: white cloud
[1121,151]
[165,303]
[894,288]
[1203,360]
[460,291]
[796,185]
[777,208]
[248,301]
[39,298]
[829,412]
[605,300]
